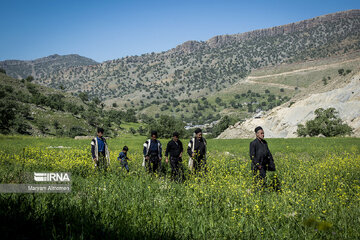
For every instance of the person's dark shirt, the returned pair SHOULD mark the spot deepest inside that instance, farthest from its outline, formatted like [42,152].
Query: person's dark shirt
[199,148]
[174,148]
[259,152]
[153,148]
[122,156]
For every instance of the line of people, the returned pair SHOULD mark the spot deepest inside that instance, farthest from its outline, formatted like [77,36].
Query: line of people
[260,155]
[152,154]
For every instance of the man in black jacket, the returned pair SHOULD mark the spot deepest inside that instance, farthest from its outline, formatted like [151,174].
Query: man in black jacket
[175,149]
[197,152]
[260,155]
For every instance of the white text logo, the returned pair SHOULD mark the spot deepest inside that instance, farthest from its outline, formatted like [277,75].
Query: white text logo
[51,177]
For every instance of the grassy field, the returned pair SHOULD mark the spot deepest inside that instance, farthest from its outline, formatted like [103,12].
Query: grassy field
[317,193]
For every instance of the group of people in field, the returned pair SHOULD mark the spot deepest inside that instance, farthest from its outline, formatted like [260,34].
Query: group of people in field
[260,155]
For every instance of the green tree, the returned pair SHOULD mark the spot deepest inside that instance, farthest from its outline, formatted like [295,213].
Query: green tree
[324,80]
[326,122]
[84,96]
[166,125]
[30,78]
[222,125]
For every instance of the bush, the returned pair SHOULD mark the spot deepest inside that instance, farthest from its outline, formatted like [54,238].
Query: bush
[326,123]
[222,125]
[30,78]
[166,125]
[76,131]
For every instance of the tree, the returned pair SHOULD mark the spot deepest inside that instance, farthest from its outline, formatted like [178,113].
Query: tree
[2,71]
[96,100]
[84,96]
[326,122]
[324,80]
[166,125]
[30,78]
[222,125]
[218,100]
[341,71]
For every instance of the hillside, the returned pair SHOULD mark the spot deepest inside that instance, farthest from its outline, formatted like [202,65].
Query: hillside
[32,109]
[38,68]
[200,82]
[196,69]
[340,92]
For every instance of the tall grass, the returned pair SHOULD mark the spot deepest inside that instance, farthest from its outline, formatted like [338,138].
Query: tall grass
[317,193]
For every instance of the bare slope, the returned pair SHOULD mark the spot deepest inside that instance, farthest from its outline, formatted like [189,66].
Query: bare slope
[343,94]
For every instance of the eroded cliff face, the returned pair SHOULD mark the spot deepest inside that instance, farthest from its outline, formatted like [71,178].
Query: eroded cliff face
[281,122]
[305,25]
[220,40]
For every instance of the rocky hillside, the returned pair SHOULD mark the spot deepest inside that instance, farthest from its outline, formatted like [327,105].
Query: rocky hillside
[202,81]
[41,67]
[343,94]
[195,69]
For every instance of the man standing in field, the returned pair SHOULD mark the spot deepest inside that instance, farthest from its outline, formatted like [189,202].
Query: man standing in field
[260,156]
[175,148]
[197,152]
[152,153]
[100,151]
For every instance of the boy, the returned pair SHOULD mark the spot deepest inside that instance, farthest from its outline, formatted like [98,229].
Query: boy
[123,158]
[100,151]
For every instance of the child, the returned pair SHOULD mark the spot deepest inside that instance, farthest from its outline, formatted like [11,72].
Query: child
[122,156]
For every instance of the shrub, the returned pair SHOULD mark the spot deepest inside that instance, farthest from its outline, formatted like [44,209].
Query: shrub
[326,122]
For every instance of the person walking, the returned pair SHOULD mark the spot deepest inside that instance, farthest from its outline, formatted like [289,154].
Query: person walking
[152,153]
[175,149]
[123,158]
[261,157]
[197,152]
[100,151]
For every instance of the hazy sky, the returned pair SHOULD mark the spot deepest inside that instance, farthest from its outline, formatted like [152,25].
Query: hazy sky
[105,30]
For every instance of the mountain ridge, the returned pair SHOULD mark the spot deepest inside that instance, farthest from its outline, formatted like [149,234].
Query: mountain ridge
[162,82]
[220,40]
[23,68]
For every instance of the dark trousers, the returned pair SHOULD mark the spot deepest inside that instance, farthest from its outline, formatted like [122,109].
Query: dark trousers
[177,169]
[102,162]
[259,175]
[152,164]
[199,164]
[124,164]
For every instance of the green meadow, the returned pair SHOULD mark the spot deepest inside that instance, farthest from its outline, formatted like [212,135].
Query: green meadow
[314,194]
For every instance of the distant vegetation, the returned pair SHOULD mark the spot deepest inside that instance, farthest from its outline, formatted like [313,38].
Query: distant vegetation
[204,69]
[27,108]
[326,123]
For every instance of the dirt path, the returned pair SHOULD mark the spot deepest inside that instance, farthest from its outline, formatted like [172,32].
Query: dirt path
[278,85]
[250,79]
[316,68]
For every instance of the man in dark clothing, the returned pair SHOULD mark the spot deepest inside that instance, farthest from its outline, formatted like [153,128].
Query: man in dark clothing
[197,152]
[152,153]
[99,151]
[175,148]
[260,155]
